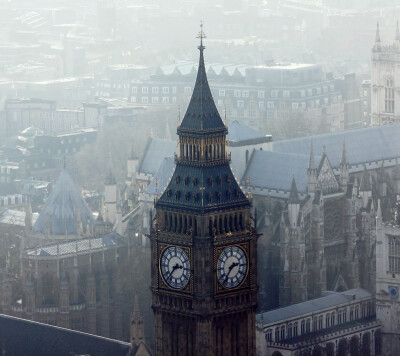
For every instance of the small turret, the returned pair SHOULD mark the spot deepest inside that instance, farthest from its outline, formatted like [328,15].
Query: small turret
[377,44]
[293,205]
[365,189]
[311,172]
[344,168]
[137,324]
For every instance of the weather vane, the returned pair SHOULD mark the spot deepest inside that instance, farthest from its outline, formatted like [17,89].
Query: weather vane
[201,35]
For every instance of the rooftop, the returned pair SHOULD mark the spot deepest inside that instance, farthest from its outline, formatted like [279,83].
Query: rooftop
[331,299]
[62,208]
[80,247]
[15,217]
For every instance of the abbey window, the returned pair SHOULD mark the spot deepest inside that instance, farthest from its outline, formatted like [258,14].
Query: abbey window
[389,96]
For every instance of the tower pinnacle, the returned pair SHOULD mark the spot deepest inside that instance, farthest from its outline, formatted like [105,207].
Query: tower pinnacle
[201,35]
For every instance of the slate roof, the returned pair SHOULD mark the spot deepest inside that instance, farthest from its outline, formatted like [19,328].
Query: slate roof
[26,337]
[163,176]
[241,134]
[362,145]
[201,115]
[62,206]
[81,246]
[220,189]
[331,299]
[15,217]
[155,153]
[274,170]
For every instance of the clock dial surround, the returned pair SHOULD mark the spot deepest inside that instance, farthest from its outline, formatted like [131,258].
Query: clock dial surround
[175,267]
[232,267]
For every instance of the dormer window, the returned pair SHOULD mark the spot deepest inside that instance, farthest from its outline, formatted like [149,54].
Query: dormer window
[186,181]
[219,180]
[210,181]
[194,182]
[177,179]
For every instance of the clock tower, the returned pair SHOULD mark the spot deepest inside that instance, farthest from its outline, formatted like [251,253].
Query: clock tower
[203,243]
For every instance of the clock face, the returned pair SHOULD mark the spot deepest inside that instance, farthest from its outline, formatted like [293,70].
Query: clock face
[232,267]
[175,267]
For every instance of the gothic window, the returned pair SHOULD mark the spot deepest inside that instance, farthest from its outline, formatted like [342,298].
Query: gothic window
[290,330]
[389,96]
[394,255]
[186,181]
[320,322]
[187,196]
[268,335]
[315,323]
[177,194]
[339,317]
[194,182]
[327,318]
[228,179]
[219,196]
[177,179]
[295,329]
[196,197]
[308,325]
[210,181]
[351,313]
[344,315]
[229,194]
[363,311]
[356,312]
[277,334]
[210,198]
[333,319]
[282,332]
[303,328]
[219,180]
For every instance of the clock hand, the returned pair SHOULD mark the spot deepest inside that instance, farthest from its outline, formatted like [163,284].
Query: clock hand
[174,268]
[233,265]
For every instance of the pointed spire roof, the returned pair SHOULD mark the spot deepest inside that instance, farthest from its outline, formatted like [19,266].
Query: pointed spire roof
[365,184]
[61,208]
[201,116]
[294,194]
[343,160]
[311,163]
[377,35]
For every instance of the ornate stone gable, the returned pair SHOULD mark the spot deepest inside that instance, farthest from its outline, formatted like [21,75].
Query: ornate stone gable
[326,179]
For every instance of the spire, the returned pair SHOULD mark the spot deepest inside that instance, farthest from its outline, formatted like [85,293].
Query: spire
[137,325]
[377,35]
[311,163]
[377,44]
[294,195]
[343,161]
[202,114]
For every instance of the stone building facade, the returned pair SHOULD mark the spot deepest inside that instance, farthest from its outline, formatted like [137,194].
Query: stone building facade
[385,78]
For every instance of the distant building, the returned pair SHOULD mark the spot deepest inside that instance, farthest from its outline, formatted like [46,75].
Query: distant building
[385,78]
[335,324]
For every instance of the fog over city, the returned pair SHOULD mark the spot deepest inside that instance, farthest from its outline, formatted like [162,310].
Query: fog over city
[200,177]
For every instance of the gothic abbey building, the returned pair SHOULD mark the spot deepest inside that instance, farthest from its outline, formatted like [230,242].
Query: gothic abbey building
[203,243]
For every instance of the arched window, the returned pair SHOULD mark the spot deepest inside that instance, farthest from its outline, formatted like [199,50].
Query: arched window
[308,325]
[295,326]
[389,96]
[320,322]
[303,327]
[356,312]
[268,335]
[327,319]
[339,316]
[315,323]
[363,310]
[332,318]
[277,334]
[282,332]
[394,255]
[290,330]
[351,313]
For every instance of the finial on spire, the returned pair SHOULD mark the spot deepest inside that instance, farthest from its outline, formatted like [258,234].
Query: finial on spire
[201,35]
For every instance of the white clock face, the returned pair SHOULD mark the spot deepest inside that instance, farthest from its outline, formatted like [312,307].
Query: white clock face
[175,267]
[232,267]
